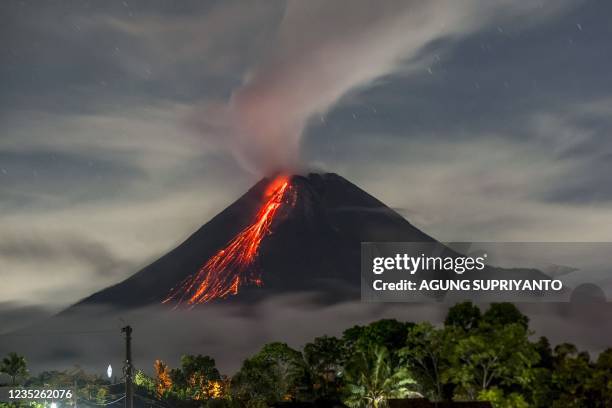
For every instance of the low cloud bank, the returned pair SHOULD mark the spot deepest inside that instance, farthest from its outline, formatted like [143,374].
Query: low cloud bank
[91,338]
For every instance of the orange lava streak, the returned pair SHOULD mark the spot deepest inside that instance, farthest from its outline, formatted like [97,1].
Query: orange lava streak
[226,271]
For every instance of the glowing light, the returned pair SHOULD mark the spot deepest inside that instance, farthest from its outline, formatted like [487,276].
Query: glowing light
[163,382]
[229,269]
[215,389]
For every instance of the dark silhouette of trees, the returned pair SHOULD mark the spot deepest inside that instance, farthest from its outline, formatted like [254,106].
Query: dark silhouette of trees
[474,355]
[272,375]
[325,359]
[501,314]
[15,366]
[386,332]
[463,315]
[599,387]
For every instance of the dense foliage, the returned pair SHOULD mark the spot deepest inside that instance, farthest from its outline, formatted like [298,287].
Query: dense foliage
[478,355]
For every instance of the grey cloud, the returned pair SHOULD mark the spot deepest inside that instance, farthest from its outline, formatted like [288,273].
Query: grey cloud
[230,333]
[488,81]
[61,178]
[500,185]
[85,58]
[14,316]
[93,255]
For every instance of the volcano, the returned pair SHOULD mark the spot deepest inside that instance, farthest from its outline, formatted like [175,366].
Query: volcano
[282,262]
[311,242]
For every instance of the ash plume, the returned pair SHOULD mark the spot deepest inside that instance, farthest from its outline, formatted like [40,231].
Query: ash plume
[325,50]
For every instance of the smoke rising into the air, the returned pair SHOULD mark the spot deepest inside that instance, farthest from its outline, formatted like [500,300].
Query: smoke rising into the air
[324,50]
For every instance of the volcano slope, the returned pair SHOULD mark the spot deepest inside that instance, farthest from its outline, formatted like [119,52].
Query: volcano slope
[312,244]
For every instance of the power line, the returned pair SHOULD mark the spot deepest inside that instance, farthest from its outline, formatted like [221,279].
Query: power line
[150,401]
[110,385]
[101,405]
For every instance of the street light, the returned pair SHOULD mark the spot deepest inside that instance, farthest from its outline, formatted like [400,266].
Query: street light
[53,405]
[109,371]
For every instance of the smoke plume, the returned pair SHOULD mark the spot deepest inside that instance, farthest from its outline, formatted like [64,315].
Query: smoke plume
[324,50]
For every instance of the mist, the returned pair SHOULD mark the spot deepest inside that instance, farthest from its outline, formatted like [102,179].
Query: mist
[91,338]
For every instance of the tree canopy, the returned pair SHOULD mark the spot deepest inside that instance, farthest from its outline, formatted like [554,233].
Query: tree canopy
[15,366]
[474,355]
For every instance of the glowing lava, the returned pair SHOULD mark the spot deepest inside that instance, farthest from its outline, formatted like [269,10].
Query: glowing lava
[229,268]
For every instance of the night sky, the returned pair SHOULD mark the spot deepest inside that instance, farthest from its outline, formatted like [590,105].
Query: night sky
[476,120]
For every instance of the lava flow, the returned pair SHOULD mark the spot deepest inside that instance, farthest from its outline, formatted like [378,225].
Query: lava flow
[229,268]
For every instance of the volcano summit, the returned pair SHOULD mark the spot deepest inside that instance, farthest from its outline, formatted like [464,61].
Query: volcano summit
[286,234]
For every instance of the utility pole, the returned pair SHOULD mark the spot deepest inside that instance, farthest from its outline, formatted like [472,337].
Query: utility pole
[129,390]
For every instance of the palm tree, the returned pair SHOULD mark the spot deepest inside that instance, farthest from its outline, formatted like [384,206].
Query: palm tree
[14,366]
[371,380]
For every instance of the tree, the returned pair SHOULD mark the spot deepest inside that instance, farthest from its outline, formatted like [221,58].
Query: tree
[542,346]
[15,366]
[499,399]
[570,377]
[197,379]
[254,385]
[427,354]
[371,379]
[500,356]
[463,315]
[389,333]
[144,381]
[501,314]
[325,359]
[286,365]
[89,387]
[540,388]
[199,364]
[272,375]
[562,352]
[600,385]
[163,382]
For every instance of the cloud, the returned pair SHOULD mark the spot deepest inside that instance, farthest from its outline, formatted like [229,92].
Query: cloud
[79,58]
[14,316]
[232,332]
[210,39]
[59,266]
[117,236]
[325,50]
[93,254]
[535,182]
[149,136]
[89,198]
